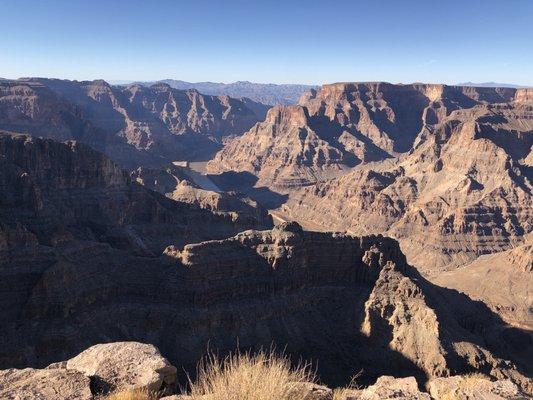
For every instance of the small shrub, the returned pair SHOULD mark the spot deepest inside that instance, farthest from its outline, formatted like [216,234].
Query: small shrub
[346,393]
[264,376]
[470,380]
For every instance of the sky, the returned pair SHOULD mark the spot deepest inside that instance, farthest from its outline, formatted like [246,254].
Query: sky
[289,41]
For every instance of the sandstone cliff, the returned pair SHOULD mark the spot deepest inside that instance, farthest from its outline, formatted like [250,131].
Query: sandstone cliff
[284,150]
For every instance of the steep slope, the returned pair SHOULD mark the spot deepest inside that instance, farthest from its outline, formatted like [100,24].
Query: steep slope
[501,280]
[54,192]
[33,108]
[155,125]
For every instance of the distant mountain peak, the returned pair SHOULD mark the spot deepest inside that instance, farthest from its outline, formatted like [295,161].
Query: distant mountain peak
[266,93]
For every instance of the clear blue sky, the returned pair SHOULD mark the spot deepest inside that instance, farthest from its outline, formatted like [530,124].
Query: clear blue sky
[308,41]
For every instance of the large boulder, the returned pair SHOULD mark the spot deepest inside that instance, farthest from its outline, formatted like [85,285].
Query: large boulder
[98,370]
[125,365]
[44,384]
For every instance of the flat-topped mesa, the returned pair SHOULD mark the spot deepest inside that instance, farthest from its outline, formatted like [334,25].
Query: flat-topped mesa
[433,91]
[524,95]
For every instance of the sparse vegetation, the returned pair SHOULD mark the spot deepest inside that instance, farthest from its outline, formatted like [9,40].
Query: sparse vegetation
[345,392]
[471,379]
[263,376]
[132,394]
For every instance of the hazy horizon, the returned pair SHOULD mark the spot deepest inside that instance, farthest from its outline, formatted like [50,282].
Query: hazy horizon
[312,43]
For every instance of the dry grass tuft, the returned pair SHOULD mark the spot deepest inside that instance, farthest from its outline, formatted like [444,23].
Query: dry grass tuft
[470,380]
[132,394]
[263,376]
[348,391]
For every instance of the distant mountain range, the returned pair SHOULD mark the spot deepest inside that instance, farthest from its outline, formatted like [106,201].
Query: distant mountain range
[491,84]
[266,93]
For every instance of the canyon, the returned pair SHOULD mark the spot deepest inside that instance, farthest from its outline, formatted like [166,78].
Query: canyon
[372,229]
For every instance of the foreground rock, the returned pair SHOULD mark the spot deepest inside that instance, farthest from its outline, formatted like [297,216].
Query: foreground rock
[125,365]
[467,387]
[98,370]
[386,387]
[44,384]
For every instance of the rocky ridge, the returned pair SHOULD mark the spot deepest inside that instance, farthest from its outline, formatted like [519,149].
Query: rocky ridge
[134,125]
[98,370]
[266,93]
